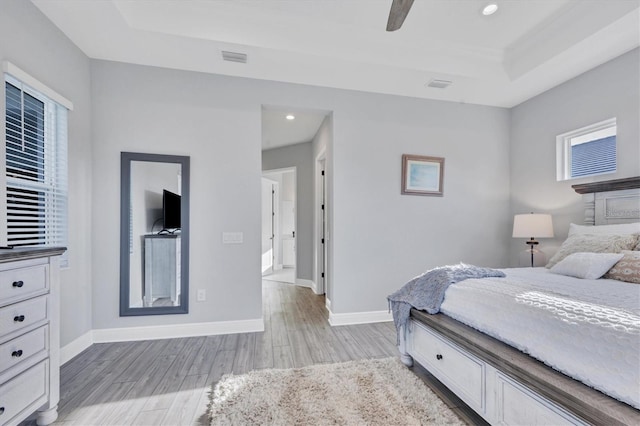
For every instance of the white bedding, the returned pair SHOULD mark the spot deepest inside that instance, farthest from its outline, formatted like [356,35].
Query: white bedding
[587,329]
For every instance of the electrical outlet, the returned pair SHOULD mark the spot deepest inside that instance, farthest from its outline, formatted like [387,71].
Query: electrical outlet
[201,295]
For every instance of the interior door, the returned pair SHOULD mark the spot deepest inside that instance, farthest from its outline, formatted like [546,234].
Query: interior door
[267,226]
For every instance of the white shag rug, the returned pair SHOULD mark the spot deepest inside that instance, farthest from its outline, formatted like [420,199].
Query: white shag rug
[366,392]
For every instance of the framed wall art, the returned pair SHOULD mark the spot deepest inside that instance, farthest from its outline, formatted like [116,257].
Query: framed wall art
[422,175]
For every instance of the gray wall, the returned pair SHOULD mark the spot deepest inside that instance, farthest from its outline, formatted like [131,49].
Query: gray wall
[300,156]
[610,90]
[30,41]
[215,121]
[380,239]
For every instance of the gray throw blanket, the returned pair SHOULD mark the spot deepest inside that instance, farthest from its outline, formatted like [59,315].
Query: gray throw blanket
[426,291]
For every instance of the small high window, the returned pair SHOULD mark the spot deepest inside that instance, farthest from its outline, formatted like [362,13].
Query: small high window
[588,151]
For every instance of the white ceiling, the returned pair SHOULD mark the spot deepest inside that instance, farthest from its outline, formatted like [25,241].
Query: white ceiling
[277,131]
[525,48]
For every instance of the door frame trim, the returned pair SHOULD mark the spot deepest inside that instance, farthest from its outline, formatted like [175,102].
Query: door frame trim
[320,251]
[274,184]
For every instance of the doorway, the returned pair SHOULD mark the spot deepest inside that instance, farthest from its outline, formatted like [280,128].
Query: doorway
[279,225]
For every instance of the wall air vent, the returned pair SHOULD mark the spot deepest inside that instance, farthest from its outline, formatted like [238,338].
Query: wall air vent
[439,84]
[234,57]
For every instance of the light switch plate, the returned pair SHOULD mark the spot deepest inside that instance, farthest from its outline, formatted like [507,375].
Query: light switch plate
[232,238]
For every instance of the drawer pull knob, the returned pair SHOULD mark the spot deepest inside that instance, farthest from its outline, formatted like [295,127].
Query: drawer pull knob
[17,354]
[1,410]
[18,318]
[18,284]
[438,357]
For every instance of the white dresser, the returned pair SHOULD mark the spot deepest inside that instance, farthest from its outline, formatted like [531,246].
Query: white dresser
[162,268]
[29,334]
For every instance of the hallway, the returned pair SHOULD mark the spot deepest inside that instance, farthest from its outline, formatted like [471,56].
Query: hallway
[285,275]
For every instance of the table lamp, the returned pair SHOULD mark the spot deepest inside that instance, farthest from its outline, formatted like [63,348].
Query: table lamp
[532,226]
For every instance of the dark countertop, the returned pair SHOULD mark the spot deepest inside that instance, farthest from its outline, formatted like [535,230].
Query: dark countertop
[21,253]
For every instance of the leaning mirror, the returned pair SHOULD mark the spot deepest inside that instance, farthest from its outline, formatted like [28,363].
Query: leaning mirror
[154,234]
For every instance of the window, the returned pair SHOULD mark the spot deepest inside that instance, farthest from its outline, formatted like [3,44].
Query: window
[35,167]
[588,151]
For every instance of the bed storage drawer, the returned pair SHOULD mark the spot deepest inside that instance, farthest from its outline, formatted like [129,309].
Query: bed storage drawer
[517,405]
[461,372]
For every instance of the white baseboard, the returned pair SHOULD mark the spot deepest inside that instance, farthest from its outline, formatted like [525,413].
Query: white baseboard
[305,283]
[327,304]
[176,330]
[70,350]
[315,288]
[359,317]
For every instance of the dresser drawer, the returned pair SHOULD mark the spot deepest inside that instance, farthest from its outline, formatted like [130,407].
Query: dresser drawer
[19,316]
[25,390]
[21,283]
[22,348]
[459,371]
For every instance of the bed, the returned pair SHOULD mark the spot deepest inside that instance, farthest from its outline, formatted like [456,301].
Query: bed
[586,371]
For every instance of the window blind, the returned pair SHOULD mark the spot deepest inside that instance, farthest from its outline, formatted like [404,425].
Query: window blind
[35,167]
[594,157]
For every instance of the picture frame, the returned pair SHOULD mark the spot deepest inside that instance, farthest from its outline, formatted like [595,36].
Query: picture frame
[422,175]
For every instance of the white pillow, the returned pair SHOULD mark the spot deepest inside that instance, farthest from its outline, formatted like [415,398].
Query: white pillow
[588,243]
[616,229]
[590,266]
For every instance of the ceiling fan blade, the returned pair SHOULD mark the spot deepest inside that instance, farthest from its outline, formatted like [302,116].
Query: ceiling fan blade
[398,13]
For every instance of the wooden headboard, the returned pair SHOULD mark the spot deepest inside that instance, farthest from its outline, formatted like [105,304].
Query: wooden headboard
[611,201]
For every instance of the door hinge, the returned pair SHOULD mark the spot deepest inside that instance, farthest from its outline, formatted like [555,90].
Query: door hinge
[323,275]
[323,241]
[323,207]
[323,173]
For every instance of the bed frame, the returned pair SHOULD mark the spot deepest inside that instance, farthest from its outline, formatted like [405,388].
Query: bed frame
[504,385]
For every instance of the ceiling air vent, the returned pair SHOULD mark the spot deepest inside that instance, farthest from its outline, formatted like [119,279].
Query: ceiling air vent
[439,84]
[234,57]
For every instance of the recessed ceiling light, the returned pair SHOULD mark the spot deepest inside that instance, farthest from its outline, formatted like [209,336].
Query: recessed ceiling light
[291,117]
[490,9]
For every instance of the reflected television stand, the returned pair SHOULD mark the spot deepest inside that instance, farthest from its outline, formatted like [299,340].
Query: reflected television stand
[162,269]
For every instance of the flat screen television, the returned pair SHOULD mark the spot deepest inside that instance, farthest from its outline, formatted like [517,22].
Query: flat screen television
[170,210]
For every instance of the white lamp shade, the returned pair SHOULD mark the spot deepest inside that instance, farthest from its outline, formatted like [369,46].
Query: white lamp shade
[532,226]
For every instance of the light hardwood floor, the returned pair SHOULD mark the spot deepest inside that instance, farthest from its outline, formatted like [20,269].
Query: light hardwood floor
[166,381]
